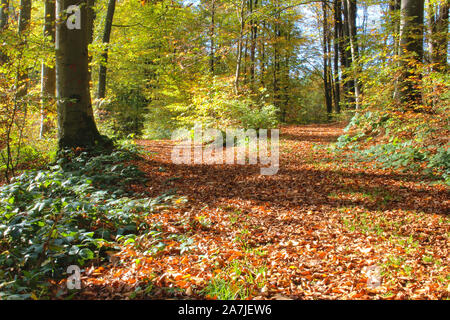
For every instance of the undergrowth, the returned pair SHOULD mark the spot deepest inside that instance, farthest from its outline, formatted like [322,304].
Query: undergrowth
[402,140]
[70,214]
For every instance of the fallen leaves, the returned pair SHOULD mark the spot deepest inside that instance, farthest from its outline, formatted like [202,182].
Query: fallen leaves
[314,228]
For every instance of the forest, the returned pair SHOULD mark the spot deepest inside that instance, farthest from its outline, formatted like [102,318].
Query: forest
[224,150]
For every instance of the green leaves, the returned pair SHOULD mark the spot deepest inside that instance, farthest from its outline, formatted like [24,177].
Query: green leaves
[51,219]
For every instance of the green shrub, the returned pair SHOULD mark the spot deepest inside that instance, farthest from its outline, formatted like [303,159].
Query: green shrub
[216,106]
[51,219]
[124,113]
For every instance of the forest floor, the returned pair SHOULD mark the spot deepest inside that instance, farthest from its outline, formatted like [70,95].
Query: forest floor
[322,228]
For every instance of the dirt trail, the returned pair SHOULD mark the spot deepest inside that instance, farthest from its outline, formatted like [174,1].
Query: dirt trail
[319,229]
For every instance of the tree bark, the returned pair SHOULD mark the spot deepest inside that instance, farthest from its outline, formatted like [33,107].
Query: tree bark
[23,28]
[4,15]
[276,64]
[354,49]
[254,36]
[326,74]
[349,82]
[438,17]
[76,125]
[337,83]
[90,26]
[101,92]
[24,15]
[212,31]
[411,50]
[48,74]
[394,7]
[263,57]
[239,49]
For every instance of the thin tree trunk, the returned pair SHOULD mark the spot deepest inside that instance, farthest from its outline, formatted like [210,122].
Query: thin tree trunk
[90,26]
[254,36]
[326,79]
[438,17]
[101,92]
[411,50]
[276,64]
[244,71]
[394,7]
[350,83]
[4,17]
[212,35]
[24,15]
[263,57]
[351,7]
[239,49]
[23,28]
[48,75]
[337,83]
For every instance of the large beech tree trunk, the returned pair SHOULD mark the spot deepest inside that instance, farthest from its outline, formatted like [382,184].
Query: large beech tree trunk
[76,125]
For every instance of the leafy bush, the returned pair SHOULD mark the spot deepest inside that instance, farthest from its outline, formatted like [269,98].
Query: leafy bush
[51,219]
[408,140]
[216,106]
[124,113]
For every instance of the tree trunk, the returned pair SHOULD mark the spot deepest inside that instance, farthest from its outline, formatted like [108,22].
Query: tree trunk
[23,27]
[350,84]
[101,92]
[90,26]
[263,57]
[438,17]
[254,36]
[24,15]
[4,15]
[48,75]
[326,73]
[337,83]
[76,125]
[244,65]
[411,50]
[351,11]
[394,7]
[239,49]
[276,64]
[212,35]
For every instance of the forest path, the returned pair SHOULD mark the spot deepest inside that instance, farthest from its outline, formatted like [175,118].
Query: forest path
[321,228]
